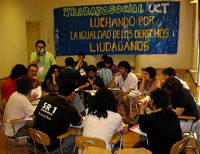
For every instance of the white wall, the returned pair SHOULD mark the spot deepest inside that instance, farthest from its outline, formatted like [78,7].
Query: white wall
[15,13]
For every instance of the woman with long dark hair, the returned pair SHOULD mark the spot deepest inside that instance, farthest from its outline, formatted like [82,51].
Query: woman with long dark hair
[102,120]
[53,79]
[162,125]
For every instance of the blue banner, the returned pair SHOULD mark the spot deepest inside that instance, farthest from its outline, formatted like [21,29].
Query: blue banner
[129,28]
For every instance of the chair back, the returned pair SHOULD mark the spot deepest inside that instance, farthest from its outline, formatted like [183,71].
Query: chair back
[134,151]
[83,141]
[96,150]
[40,138]
[180,146]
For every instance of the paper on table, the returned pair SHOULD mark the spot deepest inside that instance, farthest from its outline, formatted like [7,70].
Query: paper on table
[114,89]
[136,129]
[37,91]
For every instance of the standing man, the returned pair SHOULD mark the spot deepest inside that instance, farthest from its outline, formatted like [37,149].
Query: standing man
[54,114]
[43,59]
[126,81]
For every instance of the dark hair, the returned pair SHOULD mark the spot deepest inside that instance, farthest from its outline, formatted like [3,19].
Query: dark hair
[126,65]
[169,71]
[104,56]
[67,86]
[101,64]
[69,61]
[24,85]
[18,70]
[81,54]
[40,41]
[151,71]
[91,68]
[104,100]
[161,99]
[109,60]
[172,84]
[32,65]
[49,75]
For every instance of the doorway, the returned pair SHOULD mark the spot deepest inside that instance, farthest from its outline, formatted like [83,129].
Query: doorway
[32,35]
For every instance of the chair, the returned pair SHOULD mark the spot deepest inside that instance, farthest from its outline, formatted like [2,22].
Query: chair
[40,138]
[180,146]
[134,151]
[188,118]
[95,150]
[83,141]
[70,130]
[11,141]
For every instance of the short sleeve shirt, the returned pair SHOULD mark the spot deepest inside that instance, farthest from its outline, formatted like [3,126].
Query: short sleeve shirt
[47,60]
[17,107]
[184,99]
[53,116]
[129,83]
[103,128]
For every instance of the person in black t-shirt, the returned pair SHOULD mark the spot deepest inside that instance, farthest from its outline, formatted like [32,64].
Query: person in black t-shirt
[54,114]
[162,125]
[182,101]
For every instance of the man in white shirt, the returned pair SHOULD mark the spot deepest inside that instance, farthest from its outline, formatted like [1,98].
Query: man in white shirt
[126,81]
[19,107]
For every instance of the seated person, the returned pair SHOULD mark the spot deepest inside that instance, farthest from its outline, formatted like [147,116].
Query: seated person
[102,120]
[52,80]
[162,125]
[10,85]
[54,114]
[103,57]
[104,73]
[81,65]
[110,64]
[69,72]
[19,107]
[91,81]
[182,101]
[75,76]
[170,72]
[149,81]
[126,81]
[32,74]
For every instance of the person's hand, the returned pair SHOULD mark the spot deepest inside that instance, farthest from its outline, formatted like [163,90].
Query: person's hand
[53,76]
[117,74]
[142,106]
[124,130]
[33,97]
[95,87]
[87,84]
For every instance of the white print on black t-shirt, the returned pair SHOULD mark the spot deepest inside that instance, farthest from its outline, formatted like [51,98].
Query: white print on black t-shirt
[47,107]
[45,116]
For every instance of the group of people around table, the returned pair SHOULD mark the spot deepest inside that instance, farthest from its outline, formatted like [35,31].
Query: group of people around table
[60,106]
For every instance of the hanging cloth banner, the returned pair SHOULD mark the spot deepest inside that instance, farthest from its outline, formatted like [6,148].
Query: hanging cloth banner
[129,28]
